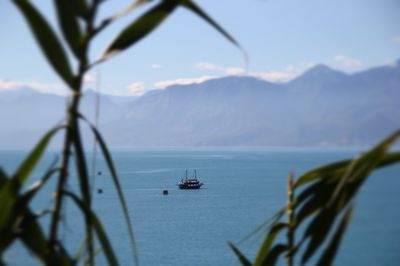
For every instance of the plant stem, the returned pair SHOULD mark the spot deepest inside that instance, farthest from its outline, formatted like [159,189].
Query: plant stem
[64,168]
[290,214]
[73,140]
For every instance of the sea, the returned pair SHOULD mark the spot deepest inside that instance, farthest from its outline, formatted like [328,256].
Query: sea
[243,187]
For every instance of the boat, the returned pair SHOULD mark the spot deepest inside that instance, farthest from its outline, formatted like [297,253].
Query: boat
[190,182]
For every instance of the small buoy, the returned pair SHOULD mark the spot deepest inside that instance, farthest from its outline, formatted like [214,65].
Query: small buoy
[99,173]
[165,192]
[99,190]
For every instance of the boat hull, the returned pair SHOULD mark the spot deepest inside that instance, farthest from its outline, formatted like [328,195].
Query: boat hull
[190,186]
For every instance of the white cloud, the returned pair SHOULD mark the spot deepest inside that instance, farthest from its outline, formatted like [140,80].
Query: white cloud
[273,75]
[391,62]
[181,81]
[289,72]
[346,61]
[156,66]
[236,71]
[137,88]
[397,39]
[89,78]
[53,88]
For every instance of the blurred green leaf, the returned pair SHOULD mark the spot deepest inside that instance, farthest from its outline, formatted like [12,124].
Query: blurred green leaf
[140,27]
[31,192]
[33,237]
[117,185]
[330,252]
[98,227]
[341,193]
[9,197]
[262,228]
[6,239]
[331,189]
[273,255]
[198,11]
[331,177]
[47,40]
[337,168]
[35,155]
[83,178]
[362,166]
[80,8]
[322,172]
[320,193]
[8,201]
[69,24]
[265,247]
[318,230]
[242,258]
[81,250]
[3,177]
[125,11]
[389,159]
[132,6]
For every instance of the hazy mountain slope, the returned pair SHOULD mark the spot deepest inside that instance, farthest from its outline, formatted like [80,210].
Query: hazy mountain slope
[26,114]
[321,107]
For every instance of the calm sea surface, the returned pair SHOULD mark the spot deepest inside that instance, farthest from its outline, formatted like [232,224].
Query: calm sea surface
[243,187]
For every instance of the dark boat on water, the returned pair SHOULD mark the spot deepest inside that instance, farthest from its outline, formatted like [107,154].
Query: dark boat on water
[190,182]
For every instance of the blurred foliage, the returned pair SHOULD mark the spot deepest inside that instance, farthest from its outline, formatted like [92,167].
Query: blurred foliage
[77,24]
[321,201]
[320,204]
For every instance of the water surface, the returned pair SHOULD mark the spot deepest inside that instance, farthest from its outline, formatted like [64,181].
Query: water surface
[243,187]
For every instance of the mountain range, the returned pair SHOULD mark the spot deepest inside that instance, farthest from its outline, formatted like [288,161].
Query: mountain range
[322,107]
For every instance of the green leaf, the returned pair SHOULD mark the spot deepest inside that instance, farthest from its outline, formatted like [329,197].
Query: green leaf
[389,159]
[341,188]
[9,191]
[31,192]
[318,231]
[198,11]
[25,169]
[330,252]
[69,24]
[117,185]
[132,6]
[320,193]
[33,237]
[140,28]
[101,234]
[123,12]
[340,167]
[265,248]
[3,177]
[8,201]
[242,258]
[273,256]
[6,239]
[47,40]
[80,251]
[361,167]
[80,8]
[323,171]
[262,228]
[83,178]
[316,195]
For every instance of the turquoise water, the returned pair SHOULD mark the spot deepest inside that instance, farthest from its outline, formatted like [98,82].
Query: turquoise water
[243,187]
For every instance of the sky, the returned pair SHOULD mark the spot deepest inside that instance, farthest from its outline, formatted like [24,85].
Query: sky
[283,38]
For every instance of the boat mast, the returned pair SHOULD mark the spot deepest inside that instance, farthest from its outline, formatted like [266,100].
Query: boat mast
[186,174]
[195,174]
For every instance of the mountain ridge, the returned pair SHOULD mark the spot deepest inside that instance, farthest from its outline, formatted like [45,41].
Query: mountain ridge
[322,107]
